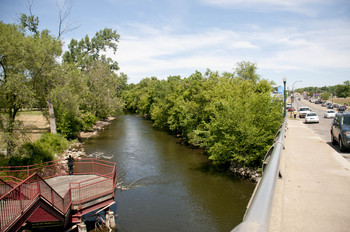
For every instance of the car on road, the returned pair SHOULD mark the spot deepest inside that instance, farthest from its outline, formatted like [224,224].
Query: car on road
[330,106]
[342,108]
[312,117]
[336,106]
[303,110]
[329,114]
[291,109]
[340,130]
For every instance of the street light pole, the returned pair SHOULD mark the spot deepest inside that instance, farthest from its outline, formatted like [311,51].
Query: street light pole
[292,97]
[285,96]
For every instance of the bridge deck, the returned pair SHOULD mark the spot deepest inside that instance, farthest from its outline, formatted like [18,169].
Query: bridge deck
[314,192]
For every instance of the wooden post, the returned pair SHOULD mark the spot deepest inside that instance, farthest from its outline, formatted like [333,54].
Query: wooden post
[52,118]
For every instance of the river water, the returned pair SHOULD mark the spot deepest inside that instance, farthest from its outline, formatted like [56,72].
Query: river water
[170,187]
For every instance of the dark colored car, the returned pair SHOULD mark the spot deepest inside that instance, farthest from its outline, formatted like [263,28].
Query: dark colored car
[340,130]
[336,106]
[342,108]
[330,107]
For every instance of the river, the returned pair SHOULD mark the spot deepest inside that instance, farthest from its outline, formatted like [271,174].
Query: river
[170,187]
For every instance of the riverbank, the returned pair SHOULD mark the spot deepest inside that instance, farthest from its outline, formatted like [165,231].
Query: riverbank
[76,150]
[99,126]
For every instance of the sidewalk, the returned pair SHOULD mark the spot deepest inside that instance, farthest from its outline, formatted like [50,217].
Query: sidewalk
[314,192]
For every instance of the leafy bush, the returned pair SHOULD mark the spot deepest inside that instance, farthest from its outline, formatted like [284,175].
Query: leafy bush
[89,120]
[55,143]
[40,151]
[69,126]
[30,153]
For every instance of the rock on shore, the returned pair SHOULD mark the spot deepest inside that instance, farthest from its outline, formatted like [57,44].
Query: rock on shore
[99,126]
[246,173]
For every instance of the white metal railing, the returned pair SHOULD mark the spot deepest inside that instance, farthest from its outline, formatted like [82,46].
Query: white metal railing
[257,216]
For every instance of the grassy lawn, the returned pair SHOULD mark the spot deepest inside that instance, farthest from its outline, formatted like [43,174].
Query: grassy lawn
[33,122]
[341,101]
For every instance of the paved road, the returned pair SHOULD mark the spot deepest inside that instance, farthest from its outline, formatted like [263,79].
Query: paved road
[323,128]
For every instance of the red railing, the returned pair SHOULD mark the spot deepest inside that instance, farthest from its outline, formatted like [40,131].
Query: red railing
[16,200]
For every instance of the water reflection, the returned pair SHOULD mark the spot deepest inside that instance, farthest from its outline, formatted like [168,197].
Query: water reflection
[169,186]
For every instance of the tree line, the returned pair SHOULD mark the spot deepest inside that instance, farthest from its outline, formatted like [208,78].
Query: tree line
[232,116]
[340,91]
[82,84]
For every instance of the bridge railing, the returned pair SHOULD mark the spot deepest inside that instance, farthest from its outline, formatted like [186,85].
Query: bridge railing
[257,216]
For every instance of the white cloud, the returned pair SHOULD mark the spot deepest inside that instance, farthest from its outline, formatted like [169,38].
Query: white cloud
[298,6]
[146,51]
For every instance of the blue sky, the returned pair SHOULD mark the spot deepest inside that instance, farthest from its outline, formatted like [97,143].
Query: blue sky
[306,40]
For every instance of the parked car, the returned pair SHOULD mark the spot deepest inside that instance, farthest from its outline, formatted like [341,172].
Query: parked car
[303,111]
[342,108]
[324,104]
[329,114]
[312,117]
[336,106]
[340,130]
[330,106]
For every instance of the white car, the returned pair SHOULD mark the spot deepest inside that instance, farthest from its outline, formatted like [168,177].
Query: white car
[329,114]
[312,117]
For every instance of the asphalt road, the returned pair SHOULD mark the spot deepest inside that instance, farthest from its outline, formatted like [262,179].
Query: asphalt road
[322,128]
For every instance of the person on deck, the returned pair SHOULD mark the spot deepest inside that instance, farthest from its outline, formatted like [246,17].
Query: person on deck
[70,164]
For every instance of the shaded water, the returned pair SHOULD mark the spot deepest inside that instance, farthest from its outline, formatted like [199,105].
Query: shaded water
[171,187]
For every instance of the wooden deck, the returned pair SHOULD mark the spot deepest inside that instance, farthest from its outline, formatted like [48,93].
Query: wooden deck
[61,183]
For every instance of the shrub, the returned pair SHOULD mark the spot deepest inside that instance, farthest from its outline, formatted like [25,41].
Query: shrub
[55,143]
[40,151]
[30,153]
[89,120]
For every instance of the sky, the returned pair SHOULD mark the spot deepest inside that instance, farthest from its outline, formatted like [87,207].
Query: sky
[306,41]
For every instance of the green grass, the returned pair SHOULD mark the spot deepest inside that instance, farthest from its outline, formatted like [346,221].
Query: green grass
[30,112]
[341,101]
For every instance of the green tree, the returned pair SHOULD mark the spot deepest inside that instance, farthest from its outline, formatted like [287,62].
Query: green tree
[246,70]
[103,85]
[85,52]
[25,64]
[342,91]
[325,95]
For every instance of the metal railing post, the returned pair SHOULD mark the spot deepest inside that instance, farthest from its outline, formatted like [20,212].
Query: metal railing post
[20,197]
